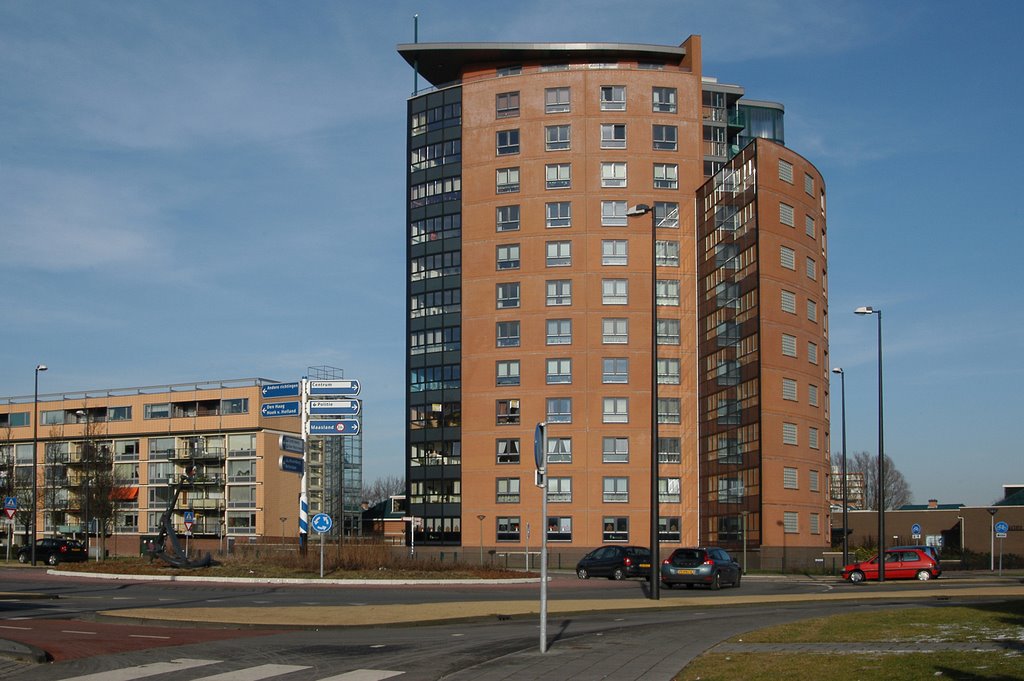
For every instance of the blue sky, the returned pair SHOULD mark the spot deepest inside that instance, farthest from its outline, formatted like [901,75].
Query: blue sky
[214,190]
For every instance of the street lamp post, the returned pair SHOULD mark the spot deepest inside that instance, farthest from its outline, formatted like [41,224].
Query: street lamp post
[35,461]
[283,520]
[481,517]
[881,448]
[992,540]
[634,211]
[846,505]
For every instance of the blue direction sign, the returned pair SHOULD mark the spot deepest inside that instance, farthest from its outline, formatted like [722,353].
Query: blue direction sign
[274,390]
[337,388]
[332,407]
[290,443]
[322,523]
[331,427]
[280,409]
[290,464]
[1002,527]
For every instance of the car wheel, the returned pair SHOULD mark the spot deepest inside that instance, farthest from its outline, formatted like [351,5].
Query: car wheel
[52,560]
[617,574]
[22,558]
[739,576]
[668,585]
[924,575]
[716,581]
[856,576]
[582,573]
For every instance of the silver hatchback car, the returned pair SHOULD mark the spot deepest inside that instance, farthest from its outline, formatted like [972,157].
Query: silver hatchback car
[710,566]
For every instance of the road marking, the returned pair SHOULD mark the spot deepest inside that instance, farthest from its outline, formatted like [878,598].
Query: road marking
[264,671]
[146,636]
[364,675]
[143,670]
[73,631]
[21,628]
[379,645]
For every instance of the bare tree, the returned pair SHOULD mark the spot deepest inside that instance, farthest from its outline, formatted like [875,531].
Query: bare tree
[382,488]
[98,486]
[897,489]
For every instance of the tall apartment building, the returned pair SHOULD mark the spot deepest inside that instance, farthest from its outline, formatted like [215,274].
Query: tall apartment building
[531,291]
[130,445]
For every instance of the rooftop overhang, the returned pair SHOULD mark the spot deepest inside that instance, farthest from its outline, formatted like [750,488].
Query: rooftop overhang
[442,63]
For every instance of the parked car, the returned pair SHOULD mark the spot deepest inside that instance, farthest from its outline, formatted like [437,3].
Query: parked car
[929,550]
[54,551]
[615,562]
[710,566]
[909,563]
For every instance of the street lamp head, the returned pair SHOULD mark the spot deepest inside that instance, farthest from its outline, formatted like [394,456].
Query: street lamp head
[837,370]
[41,367]
[865,310]
[638,209]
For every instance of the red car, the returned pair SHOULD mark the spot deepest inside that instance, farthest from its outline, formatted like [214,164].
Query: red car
[899,564]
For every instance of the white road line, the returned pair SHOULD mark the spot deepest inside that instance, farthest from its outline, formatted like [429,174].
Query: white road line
[146,636]
[143,670]
[73,631]
[364,675]
[264,671]
[21,628]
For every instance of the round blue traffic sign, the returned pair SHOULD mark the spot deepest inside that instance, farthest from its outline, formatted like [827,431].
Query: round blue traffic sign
[915,529]
[322,523]
[1002,527]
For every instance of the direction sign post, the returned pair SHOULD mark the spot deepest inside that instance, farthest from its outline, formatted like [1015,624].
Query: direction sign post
[346,388]
[333,427]
[275,409]
[275,390]
[290,443]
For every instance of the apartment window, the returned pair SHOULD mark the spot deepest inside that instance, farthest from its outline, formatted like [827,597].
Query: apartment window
[789,302]
[559,332]
[507,181]
[666,253]
[668,410]
[615,370]
[665,138]
[811,267]
[789,389]
[729,451]
[668,331]
[615,450]
[507,528]
[556,100]
[613,214]
[790,522]
[508,295]
[507,450]
[812,438]
[615,410]
[559,410]
[785,171]
[615,528]
[507,334]
[787,257]
[809,185]
[668,371]
[613,174]
[809,226]
[812,395]
[614,331]
[507,219]
[727,333]
[788,345]
[614,292]
[789,478]
[812,352]
[613,136]
[507,372]
[813,481]
[730,490]
[789,436]
[667,292]
[669,490]
[666,214]
[727,256]
[545,68]
[557,137]
[559,253]
[507,142]
[666,176]
[507,257]
[559,292]
[509,71]
[812,310]
[664,99]
[507,412]
[613,98]
[558,176]
[615,490]
[507,491]
[559,490]
[559,370]
[815,523]
[507,104]
[614,252]
[668,450]
[559,528]
[728,372]
[558,214]
[786,214]
[669,529]
[149,411]
[559,450]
